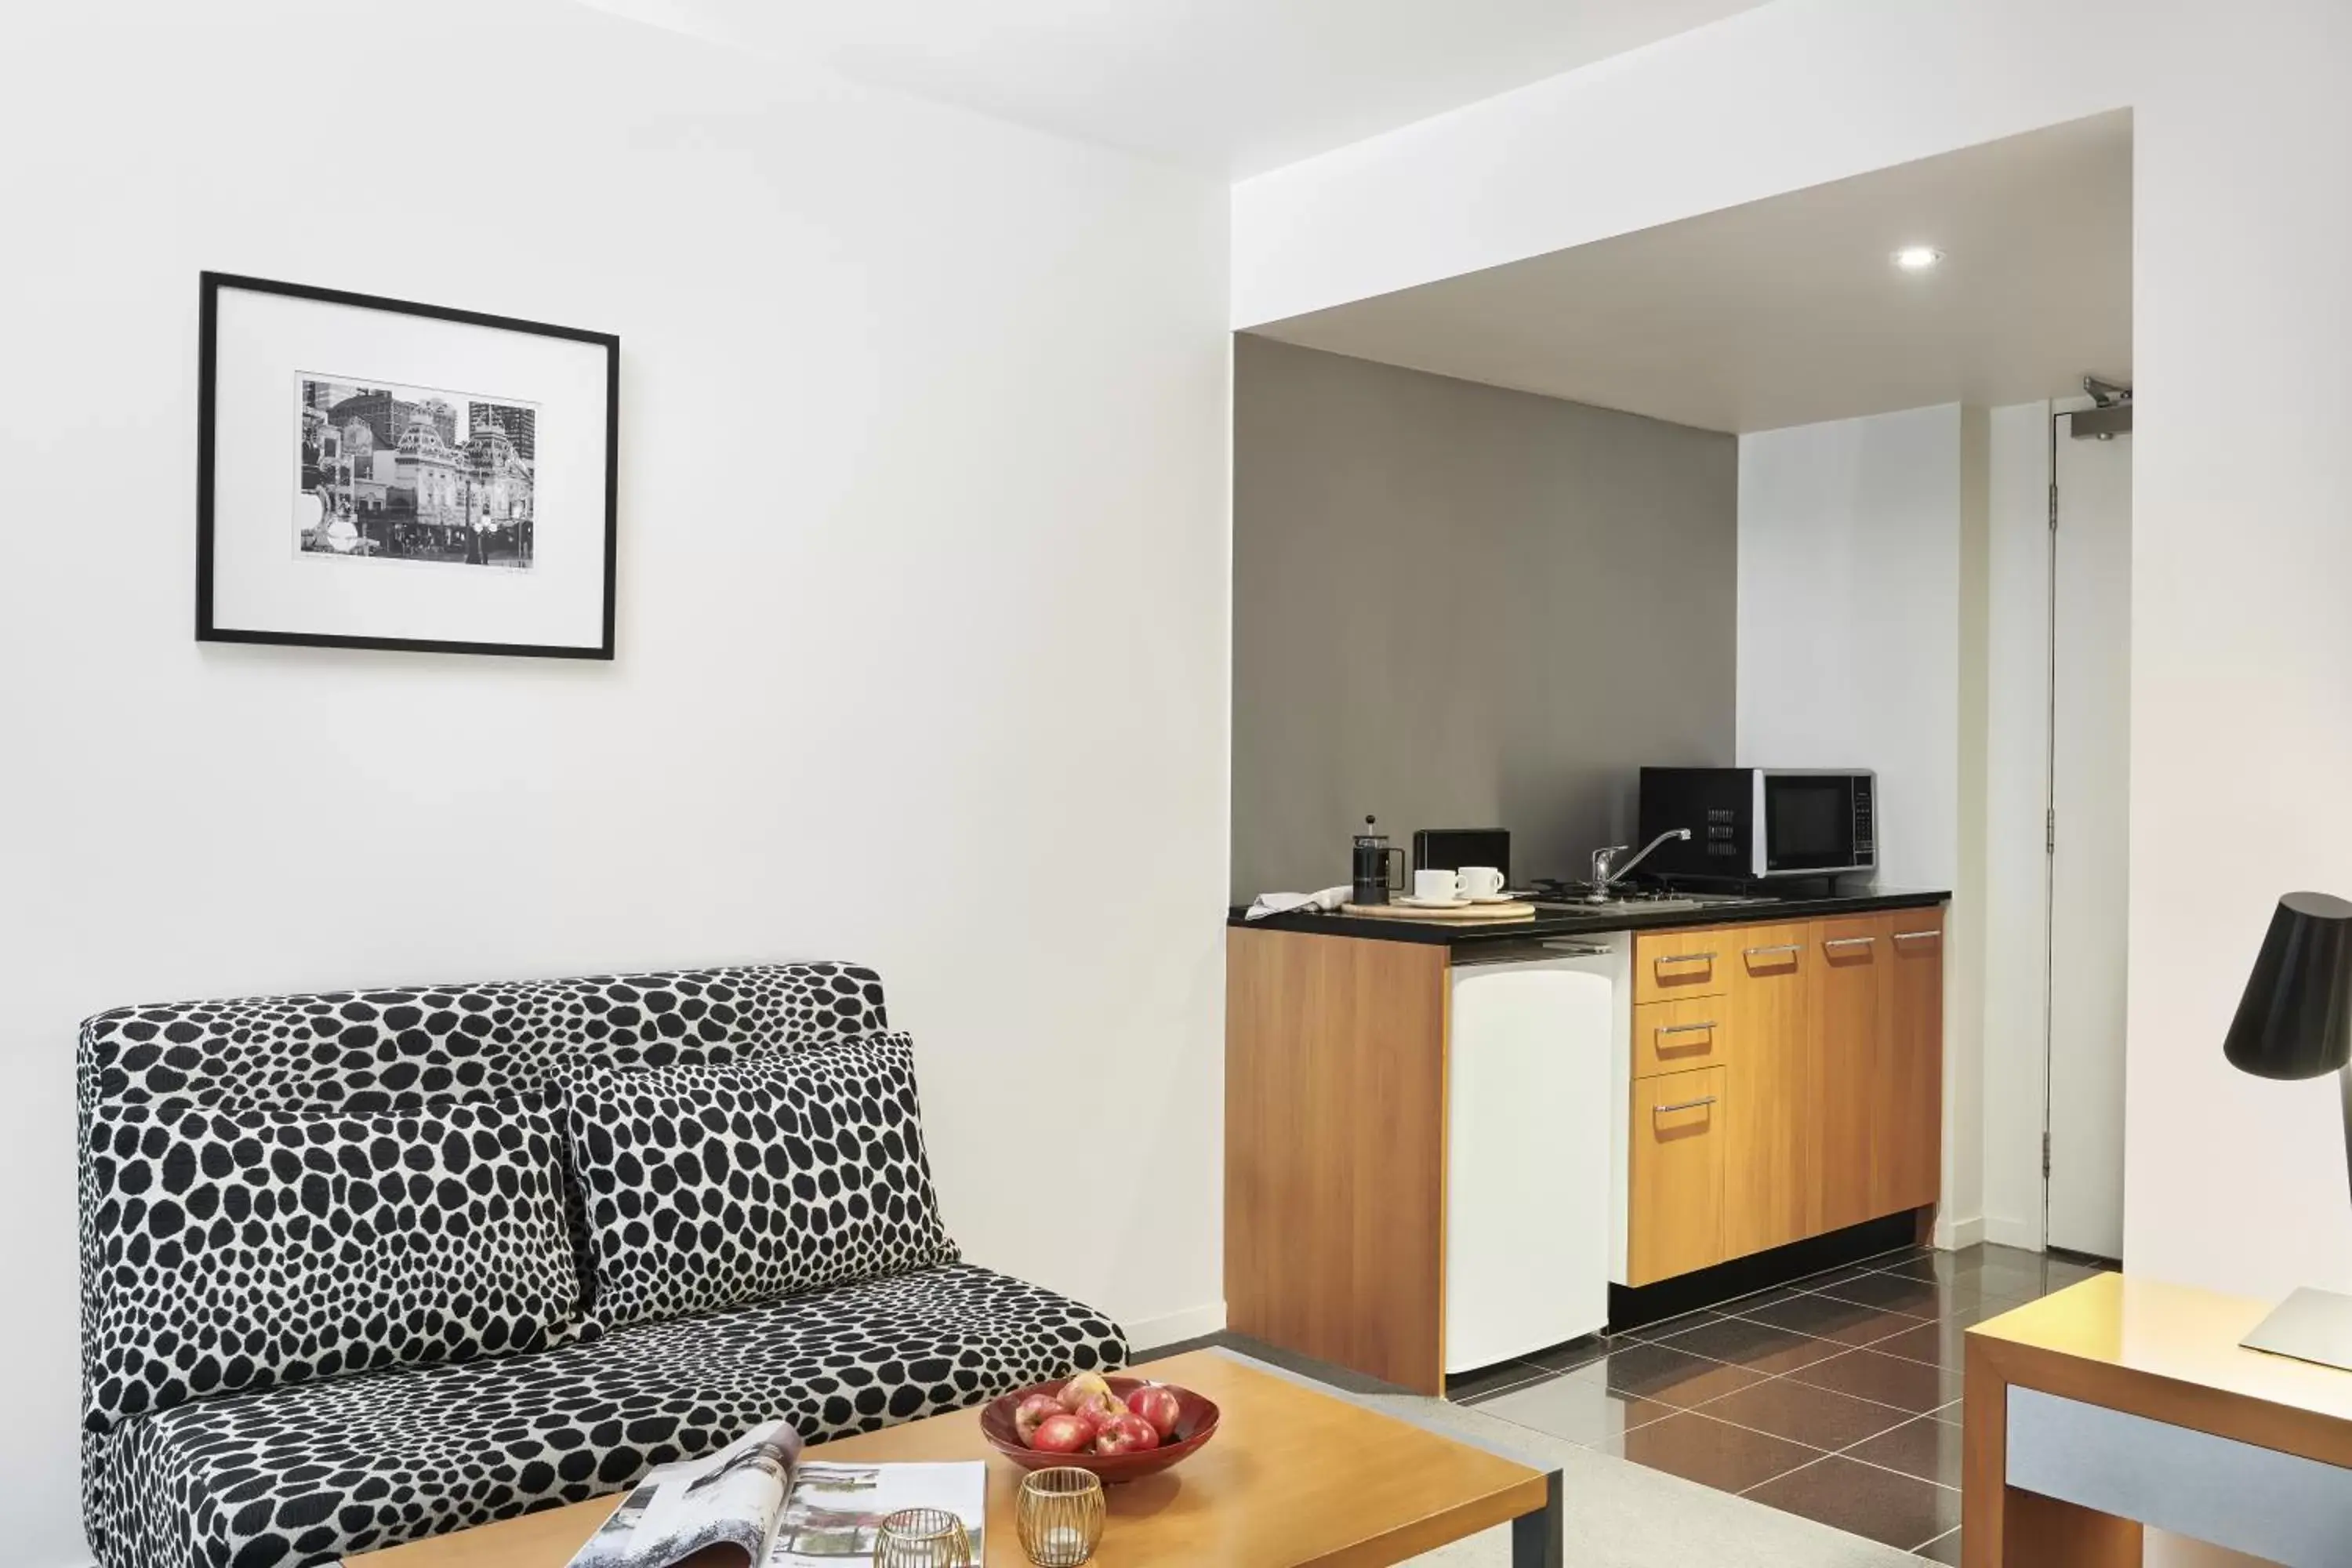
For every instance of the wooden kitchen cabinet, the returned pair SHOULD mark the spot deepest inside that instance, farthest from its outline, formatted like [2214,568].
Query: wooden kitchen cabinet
[1908,1114]
[1827,1104]
[1675,1175]
[1845,1026]
[1783,1080]
[1676,1036]
[1672,964]
[1767,1088]
[1335,1150]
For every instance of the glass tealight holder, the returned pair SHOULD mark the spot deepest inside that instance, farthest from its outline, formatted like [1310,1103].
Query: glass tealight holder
[1060,1514]
[922,1538]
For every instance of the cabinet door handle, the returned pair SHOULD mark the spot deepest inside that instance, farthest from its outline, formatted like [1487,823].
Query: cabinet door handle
[1769,951]
[1918,935]
[1848,940]
[1683,958]
[1681,1105]
[1706,1028]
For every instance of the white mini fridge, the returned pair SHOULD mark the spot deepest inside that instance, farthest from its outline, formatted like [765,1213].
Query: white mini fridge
[1528,1144]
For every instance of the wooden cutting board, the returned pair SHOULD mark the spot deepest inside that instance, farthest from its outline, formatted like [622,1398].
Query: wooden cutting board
[1469,914]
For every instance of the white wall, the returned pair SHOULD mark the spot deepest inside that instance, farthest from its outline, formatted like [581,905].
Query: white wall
[1850,619]
[2017,868]
[922,599]
[1856,547]
[2242,720]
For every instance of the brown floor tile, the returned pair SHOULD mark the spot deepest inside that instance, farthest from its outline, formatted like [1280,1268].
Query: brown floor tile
[1896,1254]
[1828,1277]
[1667,1328]
[2006,1270]
[1827,1318]
[1924,1297]
[1899,1511]
[1943,1549]
[1940,1343]
[1667,1376]
[1759,1298]
[1817,1417]
[1759,1347]
[1712,1453]
[1577,1409]
[1927,1449]
[1477,1384]
[1884,1380]
[1576,1353]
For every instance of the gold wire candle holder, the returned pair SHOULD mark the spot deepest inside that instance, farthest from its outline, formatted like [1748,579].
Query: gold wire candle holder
[922,1538]
[1060,1514]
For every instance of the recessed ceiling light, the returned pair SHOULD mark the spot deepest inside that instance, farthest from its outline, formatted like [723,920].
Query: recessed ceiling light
[1918,258]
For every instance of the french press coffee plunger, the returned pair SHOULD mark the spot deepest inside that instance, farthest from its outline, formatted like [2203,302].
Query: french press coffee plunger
[1372,871]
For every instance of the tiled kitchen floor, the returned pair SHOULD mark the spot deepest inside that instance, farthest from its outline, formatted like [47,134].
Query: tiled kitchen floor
[1836,1397]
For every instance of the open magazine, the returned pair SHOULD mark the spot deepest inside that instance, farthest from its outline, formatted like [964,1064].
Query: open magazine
[755,1503]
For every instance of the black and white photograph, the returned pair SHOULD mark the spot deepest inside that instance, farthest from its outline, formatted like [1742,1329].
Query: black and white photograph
[393,475]
[414,474]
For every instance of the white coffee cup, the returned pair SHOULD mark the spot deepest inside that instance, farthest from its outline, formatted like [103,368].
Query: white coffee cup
[1435,887]
[1479,881]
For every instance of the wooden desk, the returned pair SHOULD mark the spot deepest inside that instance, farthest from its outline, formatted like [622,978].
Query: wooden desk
[1292,1475]
[2122,1402]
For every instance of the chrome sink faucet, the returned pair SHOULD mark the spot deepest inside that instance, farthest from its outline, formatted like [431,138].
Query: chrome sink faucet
[1607,873]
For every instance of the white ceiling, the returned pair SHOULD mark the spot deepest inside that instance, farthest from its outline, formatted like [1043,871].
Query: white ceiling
[1233,86]
[1788,311]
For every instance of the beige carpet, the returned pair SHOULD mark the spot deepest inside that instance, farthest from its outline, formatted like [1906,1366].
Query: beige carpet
[1618,1514]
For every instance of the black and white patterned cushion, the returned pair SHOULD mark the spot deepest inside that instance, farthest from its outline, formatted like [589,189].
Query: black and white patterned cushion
[304,1475]
[710,1186]
[248,1249]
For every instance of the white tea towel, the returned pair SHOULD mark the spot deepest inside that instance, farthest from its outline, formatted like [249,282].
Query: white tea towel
[1285,903]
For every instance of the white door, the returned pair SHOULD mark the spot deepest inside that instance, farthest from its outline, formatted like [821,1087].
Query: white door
[2090,789]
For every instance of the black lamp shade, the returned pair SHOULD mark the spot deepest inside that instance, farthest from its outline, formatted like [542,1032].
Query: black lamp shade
[2296,1019]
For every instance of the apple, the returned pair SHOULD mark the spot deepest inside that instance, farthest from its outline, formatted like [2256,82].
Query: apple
[1088,1392]
[1031,1413]
[1062,1433]
[1126,1433]
[1157,1404]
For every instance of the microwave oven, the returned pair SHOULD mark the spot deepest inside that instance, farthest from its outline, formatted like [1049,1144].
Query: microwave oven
[1748,824]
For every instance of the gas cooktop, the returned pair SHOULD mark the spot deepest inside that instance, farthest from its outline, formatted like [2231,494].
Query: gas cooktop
[1553,893]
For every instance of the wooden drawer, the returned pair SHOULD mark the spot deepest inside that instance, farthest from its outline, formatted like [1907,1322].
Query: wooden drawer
[1767,1150]
[1674,1179]
[1850,958]
[1764,953]
[1906,1127]
[1676,1036]
[1672,964]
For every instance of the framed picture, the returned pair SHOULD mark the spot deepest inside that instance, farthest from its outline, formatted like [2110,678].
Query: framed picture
[376,473]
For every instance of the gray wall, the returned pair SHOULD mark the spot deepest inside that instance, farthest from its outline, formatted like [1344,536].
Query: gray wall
[1460,606]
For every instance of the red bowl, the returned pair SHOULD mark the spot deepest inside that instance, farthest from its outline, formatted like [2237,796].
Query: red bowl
[1196,1422]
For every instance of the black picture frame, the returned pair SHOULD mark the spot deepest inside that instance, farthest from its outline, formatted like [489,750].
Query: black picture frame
[208,629]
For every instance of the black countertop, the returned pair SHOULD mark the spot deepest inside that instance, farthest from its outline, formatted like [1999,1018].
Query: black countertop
[1555,920]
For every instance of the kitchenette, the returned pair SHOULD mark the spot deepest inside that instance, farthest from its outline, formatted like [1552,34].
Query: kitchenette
[1472,1115]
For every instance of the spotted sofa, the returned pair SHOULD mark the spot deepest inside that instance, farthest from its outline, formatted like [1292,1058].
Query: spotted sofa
[218,1434]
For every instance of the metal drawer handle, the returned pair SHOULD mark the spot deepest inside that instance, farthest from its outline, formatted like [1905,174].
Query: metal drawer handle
[1784,947]
[1685,1105]
[1918,935]
[1683,958]
[1849,941]
[1706,1028]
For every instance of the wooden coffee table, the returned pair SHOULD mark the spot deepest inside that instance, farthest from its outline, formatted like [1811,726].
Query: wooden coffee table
[1292,1475]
